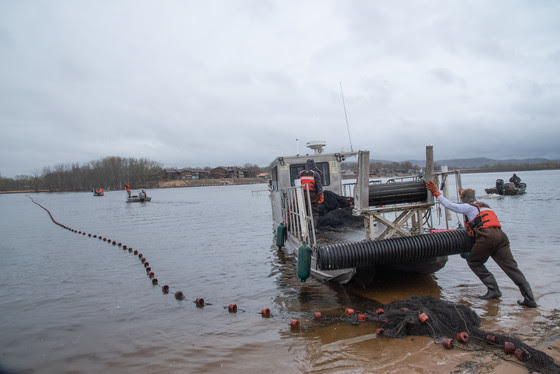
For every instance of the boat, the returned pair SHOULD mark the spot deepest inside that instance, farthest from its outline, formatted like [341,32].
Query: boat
[507,189]
[98,194]
[377,226]
[140,198]
[137,199]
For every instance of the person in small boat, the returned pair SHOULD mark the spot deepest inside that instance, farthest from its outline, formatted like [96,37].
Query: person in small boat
[142,195]
[311,180]
[127,188]
[515,180]
[490,241]
[101,191]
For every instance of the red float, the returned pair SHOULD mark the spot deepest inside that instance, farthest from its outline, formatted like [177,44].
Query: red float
[265,312]
[294,324]
[349,311]
[462,337]
[232,308]
[379,311]
[447,343]
[199,302]
[423,318]
[362,317]
[521,354]
[317,315]
[509,348]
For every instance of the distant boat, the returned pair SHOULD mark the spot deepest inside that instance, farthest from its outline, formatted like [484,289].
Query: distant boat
[506,189]
[137,199]
[97,193]
[140,198]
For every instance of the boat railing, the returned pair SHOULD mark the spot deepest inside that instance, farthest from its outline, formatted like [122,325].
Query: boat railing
[298,221]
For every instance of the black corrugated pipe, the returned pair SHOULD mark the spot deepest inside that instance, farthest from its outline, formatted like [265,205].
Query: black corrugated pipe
[393,251]
[397,193]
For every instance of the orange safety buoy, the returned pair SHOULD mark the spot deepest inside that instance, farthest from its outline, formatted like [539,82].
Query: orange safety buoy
[294,324]
[362,317]
[349,311]
[265,312]
[232,308]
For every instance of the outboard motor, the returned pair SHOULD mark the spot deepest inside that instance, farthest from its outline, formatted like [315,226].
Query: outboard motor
[500,186]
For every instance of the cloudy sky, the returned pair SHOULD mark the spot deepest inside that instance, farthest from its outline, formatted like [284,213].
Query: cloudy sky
[230,82]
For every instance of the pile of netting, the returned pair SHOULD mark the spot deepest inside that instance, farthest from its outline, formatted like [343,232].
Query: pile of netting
[448,322]
[335,213]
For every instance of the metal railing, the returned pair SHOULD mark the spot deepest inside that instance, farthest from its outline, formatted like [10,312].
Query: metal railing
[297,214]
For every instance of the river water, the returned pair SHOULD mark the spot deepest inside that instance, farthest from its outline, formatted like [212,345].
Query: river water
[71,303]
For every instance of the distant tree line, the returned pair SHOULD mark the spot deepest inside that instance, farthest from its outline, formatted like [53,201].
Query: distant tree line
[108,173]
[378,168]
[514,167]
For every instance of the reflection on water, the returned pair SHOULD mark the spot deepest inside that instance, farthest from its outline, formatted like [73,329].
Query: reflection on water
[75,304]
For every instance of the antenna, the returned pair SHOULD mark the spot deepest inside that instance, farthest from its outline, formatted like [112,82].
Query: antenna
[297,146]
[346,116]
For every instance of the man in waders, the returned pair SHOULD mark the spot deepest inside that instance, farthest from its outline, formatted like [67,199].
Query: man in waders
[490,241]
[311,180]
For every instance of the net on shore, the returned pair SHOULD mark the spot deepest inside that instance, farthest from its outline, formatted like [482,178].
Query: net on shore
[442,319]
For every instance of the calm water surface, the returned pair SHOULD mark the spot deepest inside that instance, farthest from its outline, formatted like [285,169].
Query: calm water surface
[74,304]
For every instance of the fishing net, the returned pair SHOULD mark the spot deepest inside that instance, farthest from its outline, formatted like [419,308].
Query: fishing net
[335,213]
[447,320]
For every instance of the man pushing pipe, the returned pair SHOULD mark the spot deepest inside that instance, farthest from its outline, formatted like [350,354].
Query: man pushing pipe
[490,241]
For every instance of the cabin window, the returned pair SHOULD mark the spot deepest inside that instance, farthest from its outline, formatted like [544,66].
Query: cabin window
[295,169]
[274,180]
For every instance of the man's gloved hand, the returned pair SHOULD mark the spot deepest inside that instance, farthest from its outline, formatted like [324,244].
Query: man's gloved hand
[321,199]
[433,189]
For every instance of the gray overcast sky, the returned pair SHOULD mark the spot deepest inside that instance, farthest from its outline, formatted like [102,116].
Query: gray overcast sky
[209,83]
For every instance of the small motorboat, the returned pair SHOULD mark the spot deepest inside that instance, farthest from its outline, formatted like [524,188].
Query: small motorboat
[138,199]
[506,189]
[98,193]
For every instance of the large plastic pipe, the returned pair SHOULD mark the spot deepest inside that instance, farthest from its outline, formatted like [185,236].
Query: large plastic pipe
[393,251]
[397,193]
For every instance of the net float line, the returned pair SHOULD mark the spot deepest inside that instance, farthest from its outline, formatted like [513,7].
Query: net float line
[398,319]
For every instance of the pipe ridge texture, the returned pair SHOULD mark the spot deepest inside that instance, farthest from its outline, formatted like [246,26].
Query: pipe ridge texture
[393,251]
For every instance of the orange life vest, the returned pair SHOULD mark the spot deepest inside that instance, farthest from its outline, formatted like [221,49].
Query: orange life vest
[307,178]
[484,219]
